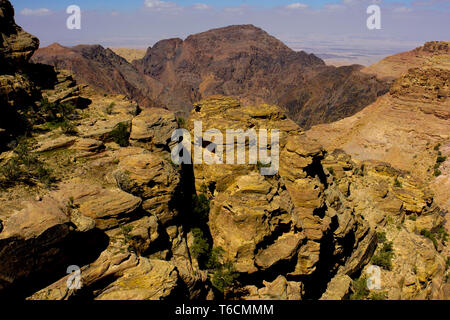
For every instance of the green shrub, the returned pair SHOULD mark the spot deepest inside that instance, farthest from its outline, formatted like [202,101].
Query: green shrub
[68,127]
[428,234]
[200,248]
[181,122]
[126,232]
[201,206]
[359,289]
[437,172]
[109,109]
[442,234]
[381,236]
[397,183]
[437,147]
[378,296]
[121,134]
[441,159]
[224,277]
[25,167]
[384,256]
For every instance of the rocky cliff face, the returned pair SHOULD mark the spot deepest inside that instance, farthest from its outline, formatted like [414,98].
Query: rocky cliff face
[407,127]
[100,68]
[241,61]
[16,89]
[99,176]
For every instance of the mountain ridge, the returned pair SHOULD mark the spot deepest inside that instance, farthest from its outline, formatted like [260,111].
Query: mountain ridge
[239,60]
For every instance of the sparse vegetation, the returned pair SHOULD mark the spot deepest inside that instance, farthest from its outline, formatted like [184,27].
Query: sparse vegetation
[200,205]
[223,273]
[359,289]
[109,109]
[378,296]
[24,167]
[201,248]
[441,159]
[67,127]
[224,276]
[397,183]
[384,257]
[181,122]
[428,234]
[437,147]
[126,231]
[381,236]
[121,134]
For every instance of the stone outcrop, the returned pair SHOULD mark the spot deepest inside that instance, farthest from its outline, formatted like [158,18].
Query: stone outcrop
[154,180]
[17,46]
[16,89]
[317,218]
[153,127]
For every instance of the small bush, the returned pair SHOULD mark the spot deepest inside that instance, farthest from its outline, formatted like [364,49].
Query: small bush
[201,206]
[384,256]
[121,134]
[437,147]
[437,172]
[442,234]
[224,277]
[109,109]
[428,234]
[359,289]
[397,183]
[181,122]
[441,159]
[25,167]
[68,127]
[381,237]
[378,296]
[200,248]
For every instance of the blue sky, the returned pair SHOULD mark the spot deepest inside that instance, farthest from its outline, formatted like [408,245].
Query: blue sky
[134,4]
[321,26]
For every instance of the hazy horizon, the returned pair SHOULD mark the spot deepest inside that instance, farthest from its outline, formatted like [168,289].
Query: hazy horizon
[327,28]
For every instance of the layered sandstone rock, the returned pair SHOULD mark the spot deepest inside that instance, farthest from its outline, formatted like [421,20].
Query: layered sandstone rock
[317,218]
[153,179]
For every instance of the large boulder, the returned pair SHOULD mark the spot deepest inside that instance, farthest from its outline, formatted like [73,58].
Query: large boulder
[39,242]
[153,179]
[153,128]
[149,280]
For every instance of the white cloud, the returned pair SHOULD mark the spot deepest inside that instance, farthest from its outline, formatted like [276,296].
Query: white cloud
[36,12]
[201,6]
[333,7]
[402,9]
[297,5]
[159,5]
